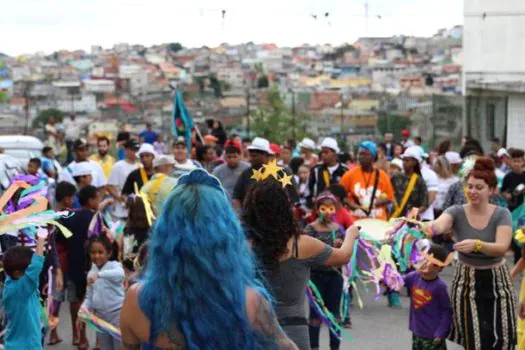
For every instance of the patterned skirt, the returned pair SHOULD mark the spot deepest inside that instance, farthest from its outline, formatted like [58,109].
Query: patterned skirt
[483,304]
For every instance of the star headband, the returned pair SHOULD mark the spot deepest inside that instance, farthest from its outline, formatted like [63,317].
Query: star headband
[271,169]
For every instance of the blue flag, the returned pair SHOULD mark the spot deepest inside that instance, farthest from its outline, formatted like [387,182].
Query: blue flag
[182,122]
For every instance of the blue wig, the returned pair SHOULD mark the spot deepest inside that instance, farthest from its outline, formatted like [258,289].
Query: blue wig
[199,266]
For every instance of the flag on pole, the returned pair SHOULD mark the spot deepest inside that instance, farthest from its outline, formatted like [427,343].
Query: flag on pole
[182,122]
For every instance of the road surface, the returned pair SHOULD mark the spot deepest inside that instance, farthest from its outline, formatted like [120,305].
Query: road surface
[375,327]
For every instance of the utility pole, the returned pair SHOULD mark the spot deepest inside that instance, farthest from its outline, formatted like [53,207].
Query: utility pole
[342,119]
[293,114]
[248,111]
[26,105]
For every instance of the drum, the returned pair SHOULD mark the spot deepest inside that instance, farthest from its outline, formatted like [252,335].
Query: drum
[373,229]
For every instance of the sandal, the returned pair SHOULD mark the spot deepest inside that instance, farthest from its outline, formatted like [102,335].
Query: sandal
[54,342]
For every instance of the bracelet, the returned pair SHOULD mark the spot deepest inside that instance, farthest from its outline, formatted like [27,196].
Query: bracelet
[478,246]
[430,230]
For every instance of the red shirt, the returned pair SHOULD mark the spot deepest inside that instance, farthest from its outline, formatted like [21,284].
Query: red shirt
[344,218]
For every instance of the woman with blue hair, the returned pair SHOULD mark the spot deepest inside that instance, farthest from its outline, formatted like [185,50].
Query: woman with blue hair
[200,289]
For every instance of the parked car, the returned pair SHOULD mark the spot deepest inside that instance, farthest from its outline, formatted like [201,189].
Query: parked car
[9,168]
[21,147]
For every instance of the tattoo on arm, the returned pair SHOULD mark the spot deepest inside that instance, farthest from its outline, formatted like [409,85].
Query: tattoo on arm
[266,322]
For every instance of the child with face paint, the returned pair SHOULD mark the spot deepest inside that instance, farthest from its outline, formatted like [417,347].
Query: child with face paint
[329,281]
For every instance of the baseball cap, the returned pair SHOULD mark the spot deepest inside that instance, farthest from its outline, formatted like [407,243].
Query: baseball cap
[132,144]
[405,132]
[180,140]
[330,143]
[233,143]
[412,152]
[81,169]
[307,143]
[260,144]
[80,143]
[146,148]
[275,148]
[397,163]
[210,138]
[502,152]
[163,160]
[453,157]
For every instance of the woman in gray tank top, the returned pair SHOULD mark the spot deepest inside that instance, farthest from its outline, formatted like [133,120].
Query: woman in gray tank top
[286,255]
[482,291]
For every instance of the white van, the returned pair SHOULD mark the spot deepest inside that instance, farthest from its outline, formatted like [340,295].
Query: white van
[9,168]
[21,146]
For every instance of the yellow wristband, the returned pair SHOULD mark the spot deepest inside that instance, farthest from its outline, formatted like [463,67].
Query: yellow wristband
[478,246]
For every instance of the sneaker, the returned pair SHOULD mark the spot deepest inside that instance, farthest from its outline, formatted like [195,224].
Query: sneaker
[394,301]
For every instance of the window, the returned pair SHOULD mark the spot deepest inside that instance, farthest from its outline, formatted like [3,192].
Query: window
[490,121]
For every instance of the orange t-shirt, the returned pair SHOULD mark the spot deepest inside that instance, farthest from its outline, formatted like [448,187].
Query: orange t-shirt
[360,184]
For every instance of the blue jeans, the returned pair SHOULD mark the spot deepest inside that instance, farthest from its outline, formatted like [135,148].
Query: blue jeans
[330,286]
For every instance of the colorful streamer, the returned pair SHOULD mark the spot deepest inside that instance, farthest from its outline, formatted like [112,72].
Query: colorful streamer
[99,324]
[317,304]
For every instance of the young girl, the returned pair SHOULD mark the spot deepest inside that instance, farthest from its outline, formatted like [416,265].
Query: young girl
[328,281]
[136,230]
[105,291]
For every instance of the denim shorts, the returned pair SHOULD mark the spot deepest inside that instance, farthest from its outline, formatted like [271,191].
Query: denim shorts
[68,293]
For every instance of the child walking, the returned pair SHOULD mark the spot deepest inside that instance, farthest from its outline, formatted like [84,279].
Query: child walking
[329,282]
[430,309]
[105,291]
[21,298]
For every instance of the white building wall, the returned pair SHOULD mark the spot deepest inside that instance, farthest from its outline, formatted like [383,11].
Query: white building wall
[516,121]
[87,104]
[494,44]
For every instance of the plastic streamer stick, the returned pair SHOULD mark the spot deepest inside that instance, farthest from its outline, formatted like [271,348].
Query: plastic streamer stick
[99,324]
[53,321]
[316,301]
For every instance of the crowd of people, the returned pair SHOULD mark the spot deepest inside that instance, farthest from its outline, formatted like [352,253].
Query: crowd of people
[214,246]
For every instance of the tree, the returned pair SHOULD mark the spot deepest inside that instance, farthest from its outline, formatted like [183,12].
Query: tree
[45,114]
[263,82]
[175,47]
[393,123]
[275,122]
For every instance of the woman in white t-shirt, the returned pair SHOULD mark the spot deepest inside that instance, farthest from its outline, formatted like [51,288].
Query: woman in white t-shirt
[446,178]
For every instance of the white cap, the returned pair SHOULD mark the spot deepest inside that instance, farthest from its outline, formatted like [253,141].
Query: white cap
[260,144]
[81,169]
[163,160]
[413,152]
[453,158]
[146,148]
[397,162]
[307,143]
[330,143]
[502,152]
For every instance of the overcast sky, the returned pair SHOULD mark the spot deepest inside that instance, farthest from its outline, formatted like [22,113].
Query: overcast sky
[48,25]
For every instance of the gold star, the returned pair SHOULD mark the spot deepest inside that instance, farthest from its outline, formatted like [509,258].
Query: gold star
[271,169]
[286,180]
[256,175]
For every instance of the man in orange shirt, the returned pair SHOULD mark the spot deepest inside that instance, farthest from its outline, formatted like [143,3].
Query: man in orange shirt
[369,190]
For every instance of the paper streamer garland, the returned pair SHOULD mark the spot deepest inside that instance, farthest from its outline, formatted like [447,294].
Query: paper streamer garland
[317,304]
[31,210]
[99,324]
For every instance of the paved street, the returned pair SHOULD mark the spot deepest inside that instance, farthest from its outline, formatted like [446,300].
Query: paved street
[376,327]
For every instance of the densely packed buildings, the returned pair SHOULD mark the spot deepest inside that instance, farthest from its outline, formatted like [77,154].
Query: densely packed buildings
[343,89]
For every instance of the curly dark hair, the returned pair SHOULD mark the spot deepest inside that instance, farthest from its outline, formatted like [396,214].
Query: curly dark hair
[269,219]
